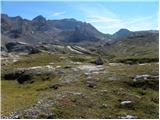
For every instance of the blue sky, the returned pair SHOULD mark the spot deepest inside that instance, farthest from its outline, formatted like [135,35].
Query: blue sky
[107,17]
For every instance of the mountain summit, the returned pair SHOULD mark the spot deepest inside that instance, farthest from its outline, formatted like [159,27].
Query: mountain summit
[50,31]
[122,33]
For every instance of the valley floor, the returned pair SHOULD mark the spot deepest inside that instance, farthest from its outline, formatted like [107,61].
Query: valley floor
[80,89]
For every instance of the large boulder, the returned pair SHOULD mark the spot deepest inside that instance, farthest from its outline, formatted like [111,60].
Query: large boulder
[99,61]
[21,47]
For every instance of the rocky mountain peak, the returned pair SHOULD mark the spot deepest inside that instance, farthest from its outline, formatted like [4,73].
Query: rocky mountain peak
[122,32]
[39,18]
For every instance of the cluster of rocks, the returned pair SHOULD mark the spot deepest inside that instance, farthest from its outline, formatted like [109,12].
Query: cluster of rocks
[12,115]
[37,111]
[9,58]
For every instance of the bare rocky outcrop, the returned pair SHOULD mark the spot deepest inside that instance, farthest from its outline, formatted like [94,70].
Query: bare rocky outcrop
[25,74]
[21,47]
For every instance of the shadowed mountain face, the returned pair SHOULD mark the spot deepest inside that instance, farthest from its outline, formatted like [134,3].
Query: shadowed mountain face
[49,31]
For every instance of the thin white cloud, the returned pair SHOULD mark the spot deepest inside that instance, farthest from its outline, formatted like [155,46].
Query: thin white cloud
[141,23]
[99,16]
[94,19]
[58,13]
[108,21]
[133,24]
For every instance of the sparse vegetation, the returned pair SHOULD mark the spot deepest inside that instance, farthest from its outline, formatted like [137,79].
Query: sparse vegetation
[102,101]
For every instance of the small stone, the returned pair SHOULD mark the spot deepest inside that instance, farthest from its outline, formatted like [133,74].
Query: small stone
[141,77]
[129,117]
[16,117]
[39,102]
[126,103]
[110,117]
[90,84]
[58,66]
[112,78]
[104,91]
[68,66]
[55,86]
[99,61]
[104,106]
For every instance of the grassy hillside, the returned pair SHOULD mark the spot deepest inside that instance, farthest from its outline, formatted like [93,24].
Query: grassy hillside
[144,46]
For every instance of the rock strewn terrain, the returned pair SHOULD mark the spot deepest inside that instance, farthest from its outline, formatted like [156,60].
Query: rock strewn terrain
[102,91]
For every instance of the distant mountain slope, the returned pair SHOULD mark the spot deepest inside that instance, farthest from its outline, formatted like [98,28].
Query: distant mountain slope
[49,31]
[39,31]
[142,44]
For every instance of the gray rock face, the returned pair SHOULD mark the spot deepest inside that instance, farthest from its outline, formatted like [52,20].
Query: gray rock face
[25,74]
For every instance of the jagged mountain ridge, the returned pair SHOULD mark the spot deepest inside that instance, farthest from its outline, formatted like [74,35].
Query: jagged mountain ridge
[50,31]
[70,31]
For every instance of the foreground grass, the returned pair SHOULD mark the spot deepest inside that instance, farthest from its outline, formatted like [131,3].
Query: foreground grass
[17,96]
[103,101]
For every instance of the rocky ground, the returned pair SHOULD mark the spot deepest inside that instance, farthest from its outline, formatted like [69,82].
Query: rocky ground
[56,85]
